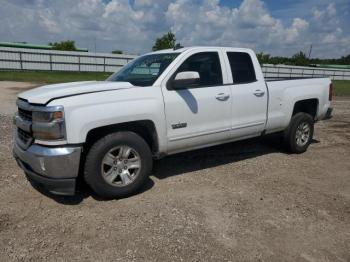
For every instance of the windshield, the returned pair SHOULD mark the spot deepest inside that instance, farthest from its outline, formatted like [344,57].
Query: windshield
[144,70]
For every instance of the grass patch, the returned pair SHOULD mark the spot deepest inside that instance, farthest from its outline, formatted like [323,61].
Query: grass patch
[341,87]
[51,77]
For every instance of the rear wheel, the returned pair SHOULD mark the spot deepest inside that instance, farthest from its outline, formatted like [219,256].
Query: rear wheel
[118,165]
[299,133]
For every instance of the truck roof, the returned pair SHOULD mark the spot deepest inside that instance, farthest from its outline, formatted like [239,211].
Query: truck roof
[199,48]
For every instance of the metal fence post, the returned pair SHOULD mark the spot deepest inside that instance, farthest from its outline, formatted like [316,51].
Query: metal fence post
[20,60]
[79,63]
[104,64]
[50,59]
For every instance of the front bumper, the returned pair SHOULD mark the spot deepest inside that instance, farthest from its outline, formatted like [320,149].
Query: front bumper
[55,168]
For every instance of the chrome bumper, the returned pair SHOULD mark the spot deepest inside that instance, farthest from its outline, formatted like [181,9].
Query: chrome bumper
[56,168]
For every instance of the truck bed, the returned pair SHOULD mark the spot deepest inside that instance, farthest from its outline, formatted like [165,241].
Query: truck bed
[284,93]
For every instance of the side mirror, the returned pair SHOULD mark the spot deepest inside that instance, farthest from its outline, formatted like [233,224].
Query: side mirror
[185,79]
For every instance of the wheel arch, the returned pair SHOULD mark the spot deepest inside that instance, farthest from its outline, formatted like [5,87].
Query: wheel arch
[144,128]
[309,106]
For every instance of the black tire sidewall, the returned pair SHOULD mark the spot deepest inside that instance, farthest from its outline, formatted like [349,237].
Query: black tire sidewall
[290,136]
[92,169]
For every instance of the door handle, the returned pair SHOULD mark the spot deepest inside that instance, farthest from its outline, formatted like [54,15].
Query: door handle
[222,97]
[259,93]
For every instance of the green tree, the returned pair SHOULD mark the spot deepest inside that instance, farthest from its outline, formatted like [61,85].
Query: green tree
[117,51]
[167,41]
[68,45]
[300,59]
[263,58]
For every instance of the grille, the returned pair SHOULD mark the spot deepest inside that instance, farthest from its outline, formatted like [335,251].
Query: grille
[24,136]
[25,114]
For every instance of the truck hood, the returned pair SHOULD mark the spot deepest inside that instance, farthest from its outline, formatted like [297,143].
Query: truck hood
[44,94]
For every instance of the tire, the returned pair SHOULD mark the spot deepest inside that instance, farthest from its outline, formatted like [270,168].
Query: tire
[296,139]
[109,177]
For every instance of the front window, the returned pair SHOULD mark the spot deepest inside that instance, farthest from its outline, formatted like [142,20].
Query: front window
[207,64]
[144,70]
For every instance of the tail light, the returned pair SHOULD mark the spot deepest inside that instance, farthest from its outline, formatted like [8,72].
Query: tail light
[330,92]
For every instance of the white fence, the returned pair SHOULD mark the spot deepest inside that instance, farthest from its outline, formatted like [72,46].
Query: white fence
[286,71]
[53,60]
[34,59]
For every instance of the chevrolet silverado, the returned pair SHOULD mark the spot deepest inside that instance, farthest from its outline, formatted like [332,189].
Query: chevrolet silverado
[107,133]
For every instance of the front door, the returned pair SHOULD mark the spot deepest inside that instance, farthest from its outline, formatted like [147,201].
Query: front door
[200,115]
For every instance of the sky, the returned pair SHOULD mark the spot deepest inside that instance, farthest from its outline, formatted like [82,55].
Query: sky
[277,27]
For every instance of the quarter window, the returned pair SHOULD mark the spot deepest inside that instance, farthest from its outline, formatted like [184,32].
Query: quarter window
[241,67]
[207,64]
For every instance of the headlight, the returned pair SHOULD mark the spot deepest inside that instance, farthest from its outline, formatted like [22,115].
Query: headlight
[48,125]
[47,116]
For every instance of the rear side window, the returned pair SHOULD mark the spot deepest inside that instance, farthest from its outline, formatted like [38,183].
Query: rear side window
[207,64]
[241,67]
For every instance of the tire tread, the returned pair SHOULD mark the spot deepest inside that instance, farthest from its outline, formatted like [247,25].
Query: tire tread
[93,177]
[289,134]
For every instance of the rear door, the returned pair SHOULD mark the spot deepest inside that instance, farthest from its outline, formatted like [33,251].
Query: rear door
[200,115]
[249,95]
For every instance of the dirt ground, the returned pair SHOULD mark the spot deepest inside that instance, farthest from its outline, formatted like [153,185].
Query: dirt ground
[246,201]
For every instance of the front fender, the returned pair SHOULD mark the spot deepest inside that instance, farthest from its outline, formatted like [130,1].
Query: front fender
[90,111]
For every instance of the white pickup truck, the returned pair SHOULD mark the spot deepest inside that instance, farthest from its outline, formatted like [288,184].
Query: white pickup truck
[108,132]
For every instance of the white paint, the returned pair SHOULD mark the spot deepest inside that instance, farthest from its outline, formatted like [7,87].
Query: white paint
[187,75]
[242,114]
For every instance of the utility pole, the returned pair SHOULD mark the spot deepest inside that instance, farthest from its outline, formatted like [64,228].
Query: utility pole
[310,51]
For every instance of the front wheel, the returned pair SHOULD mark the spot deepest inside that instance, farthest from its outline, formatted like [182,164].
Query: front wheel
[118,165]
[299,133]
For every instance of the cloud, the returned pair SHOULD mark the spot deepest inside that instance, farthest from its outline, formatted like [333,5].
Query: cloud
[134,25]
[293,33]
[249,25]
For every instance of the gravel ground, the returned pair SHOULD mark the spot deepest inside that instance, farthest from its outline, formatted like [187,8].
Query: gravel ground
[245,201]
